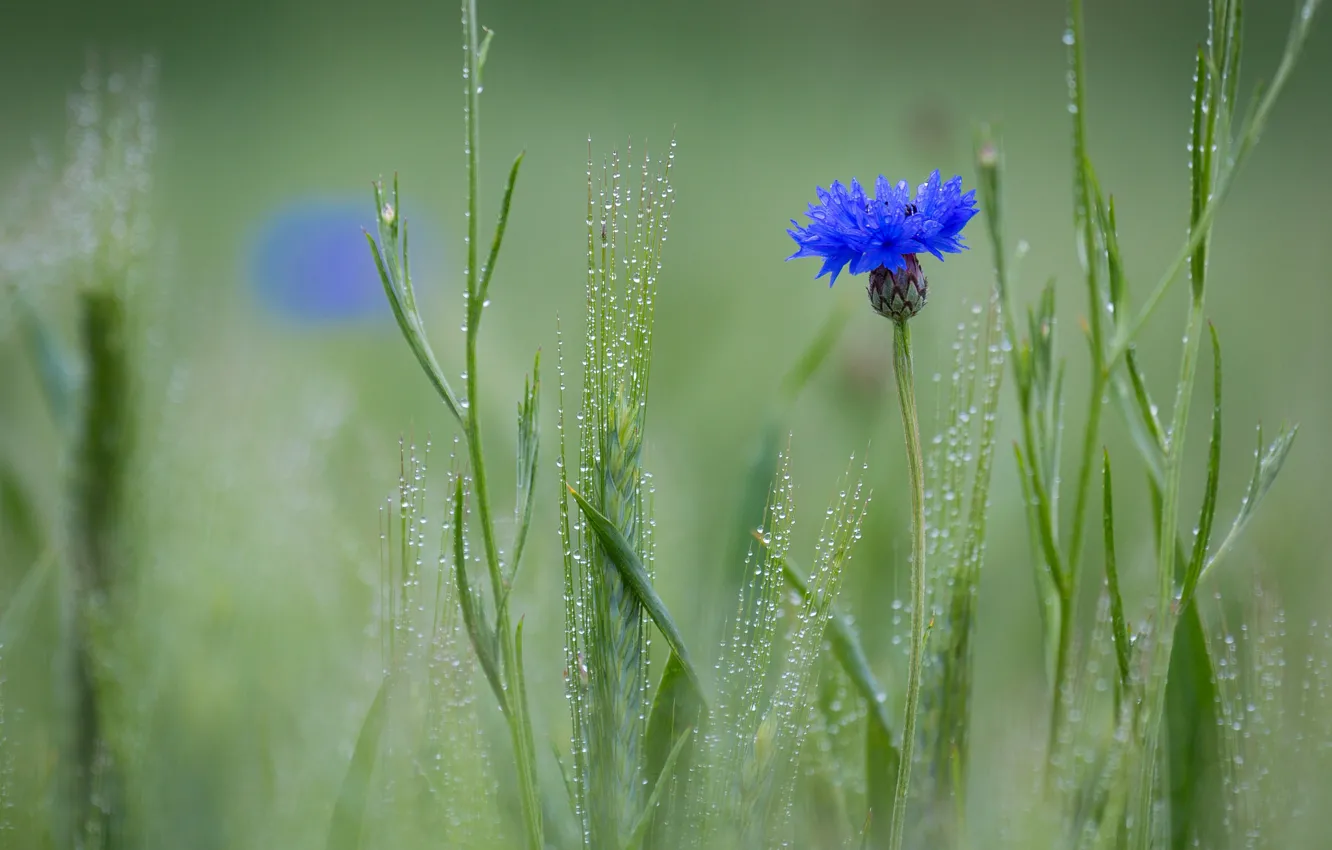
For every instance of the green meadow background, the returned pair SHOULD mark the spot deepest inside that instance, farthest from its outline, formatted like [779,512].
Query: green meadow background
[268,445]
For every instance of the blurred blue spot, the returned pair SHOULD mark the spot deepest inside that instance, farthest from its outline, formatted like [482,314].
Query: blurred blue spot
[309,261]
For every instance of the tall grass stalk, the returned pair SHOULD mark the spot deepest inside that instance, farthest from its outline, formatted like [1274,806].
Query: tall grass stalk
[497,649]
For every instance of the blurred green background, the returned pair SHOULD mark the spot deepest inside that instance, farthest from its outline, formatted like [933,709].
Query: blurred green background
[270,444]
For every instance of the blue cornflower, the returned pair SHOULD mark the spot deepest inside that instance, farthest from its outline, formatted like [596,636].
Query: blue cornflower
[848,229]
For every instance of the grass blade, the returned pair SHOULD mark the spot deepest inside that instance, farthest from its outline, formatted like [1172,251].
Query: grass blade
[529,445]
[676,709]
[1208,512]
[663,779]
[1119,629]
[882,762]
[1267,464]
[489,269]
[344,830]
[483,639]
[390,261]
[1196,801]
[635,575]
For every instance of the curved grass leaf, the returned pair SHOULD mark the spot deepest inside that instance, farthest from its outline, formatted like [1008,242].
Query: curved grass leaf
[640,830]
[489,269]
[529,444]
[1119,631]
[1208,512]
[390,255]
[636,578]
[676,709]
[483,639]
[1267,464]
[344,829]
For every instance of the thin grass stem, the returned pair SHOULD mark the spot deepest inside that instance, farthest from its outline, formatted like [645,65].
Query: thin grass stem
[906,395]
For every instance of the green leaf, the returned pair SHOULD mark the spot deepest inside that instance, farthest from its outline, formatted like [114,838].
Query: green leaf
[1199,168]
[663,780]
[1119,630]
[390,256]
[344,830]
[1195,795]
[1208,511]
[676,709]
[882,761]
[489,269]
[636,578]
[1264,98]
[482,53]
[1139,412]
[483,638]
[529,444]
[1267,464]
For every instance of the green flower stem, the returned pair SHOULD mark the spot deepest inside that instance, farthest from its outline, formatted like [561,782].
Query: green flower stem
[906,395]
[519,726]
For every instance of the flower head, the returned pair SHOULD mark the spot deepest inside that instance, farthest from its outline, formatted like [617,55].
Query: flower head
[847,228]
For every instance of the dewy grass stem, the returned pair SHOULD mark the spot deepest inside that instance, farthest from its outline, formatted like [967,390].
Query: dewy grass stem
[906,395]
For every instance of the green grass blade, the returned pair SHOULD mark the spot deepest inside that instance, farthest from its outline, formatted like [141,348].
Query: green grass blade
[882,762]
[483,639]
[677,708]
[1208,511]
[663,780]
[1117,624]
[1264,99]
[529,444]
[1139,413]
[1197,804]
[344,830]
[397,289]
[636,578]
[500,227]
[1267,464]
